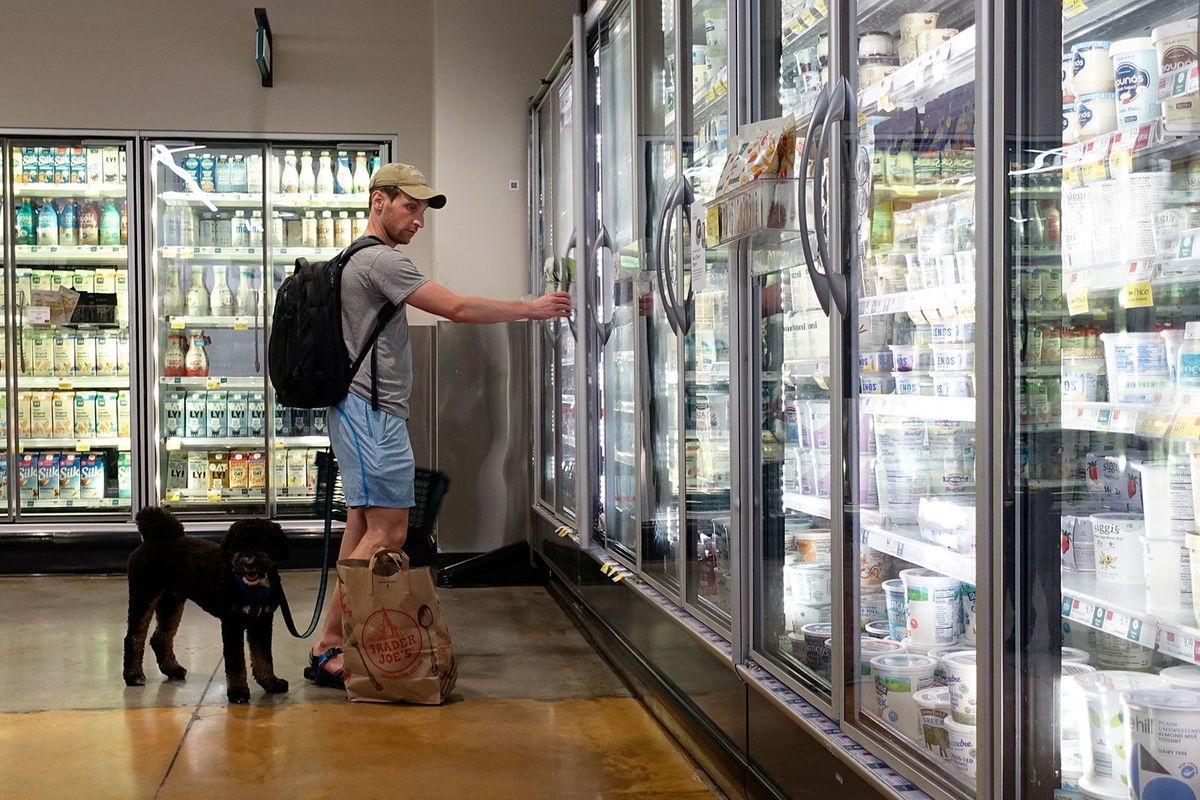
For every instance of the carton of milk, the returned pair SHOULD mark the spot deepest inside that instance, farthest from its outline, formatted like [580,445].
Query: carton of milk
[64,415]
[124,414]
[173,413]
[297,472]
[85,356]
[124,476]
[283,421]
[256,413]
[27,476]
[239,471]
[91,477]
[69,476]
[85,414]
[64,356]
[320,422]
[301,422]
[197,472]
[218,471]
[218,414]
[196,415]
[106,354]
[238,413]
[177,470]
[47,476]
[256,472]
[106,414]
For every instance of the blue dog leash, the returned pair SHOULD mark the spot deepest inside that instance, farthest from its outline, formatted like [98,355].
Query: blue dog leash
[283,603]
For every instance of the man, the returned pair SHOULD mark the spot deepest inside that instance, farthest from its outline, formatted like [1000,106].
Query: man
[372,444]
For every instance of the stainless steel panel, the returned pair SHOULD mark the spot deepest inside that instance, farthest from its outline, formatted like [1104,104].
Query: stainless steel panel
[421,431]
[481,431]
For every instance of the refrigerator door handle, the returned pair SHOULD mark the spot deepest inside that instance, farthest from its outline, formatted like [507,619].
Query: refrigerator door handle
[603,328]
[663,214]
[680,196]
[840,105]
[819,281]
[564,279]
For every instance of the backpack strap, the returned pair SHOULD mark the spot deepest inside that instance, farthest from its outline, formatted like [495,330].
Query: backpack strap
[381,320]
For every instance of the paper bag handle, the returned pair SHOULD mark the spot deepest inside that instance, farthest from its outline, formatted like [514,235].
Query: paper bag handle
[394,554]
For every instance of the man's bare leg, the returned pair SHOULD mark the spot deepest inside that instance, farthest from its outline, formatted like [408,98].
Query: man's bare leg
[367,530]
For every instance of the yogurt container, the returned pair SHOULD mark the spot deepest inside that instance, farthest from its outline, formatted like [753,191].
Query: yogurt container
[816,654]
[898,677]
[1114,653]
[809,583]
[1081,378]
[1176,47]
[953,384]
[878,629]
[962,747]
[874,44]
[933,704]
[934,606]
[871,606]
[1184,676]
[1097,114]
[913,384]
[897,608]
[1073,655]
[906,49]
[1168,578]
[932,39]
[1118,549]
[1068,94]
[1136,365]
[913,24]
[875,361]
[876,384]
[953,358]
[872,72]
[1091,68]
[874,566]
[813,545]
[1070,123]
[963,686]
[939,672]
[1135,71]
[909,357]
[869,647]
[801,614]
[1192,542]
[1070,699]
[1162,740]
[968,604]
[1106,764]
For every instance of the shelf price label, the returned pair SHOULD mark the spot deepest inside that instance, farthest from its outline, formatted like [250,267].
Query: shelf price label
[1077,301]
[1186,427]
[1138,294]
[173,443]
[1180,645]
[1154,424]
[808,17]
[1073,8]
[240,325]
[821,8]
[173,495]
[214,495]
[176,324]
[213,383]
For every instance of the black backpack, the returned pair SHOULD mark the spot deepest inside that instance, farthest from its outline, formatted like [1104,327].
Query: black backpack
[306,355]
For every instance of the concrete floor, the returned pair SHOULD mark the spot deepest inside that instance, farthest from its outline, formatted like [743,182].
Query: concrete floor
[536,713]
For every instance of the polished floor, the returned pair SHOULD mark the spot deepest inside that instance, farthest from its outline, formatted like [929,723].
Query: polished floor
[536,713]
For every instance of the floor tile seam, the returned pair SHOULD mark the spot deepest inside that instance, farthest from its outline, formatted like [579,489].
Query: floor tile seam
[183,738]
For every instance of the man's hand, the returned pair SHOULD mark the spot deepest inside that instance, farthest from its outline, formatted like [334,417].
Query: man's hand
[551,305]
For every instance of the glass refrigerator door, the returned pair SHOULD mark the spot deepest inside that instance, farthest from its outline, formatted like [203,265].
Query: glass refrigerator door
[545,269]
[565,239]
[913,318]
[206,309]
[1104,228]
[318,206]
[617,271]
[658,385]
[72,353]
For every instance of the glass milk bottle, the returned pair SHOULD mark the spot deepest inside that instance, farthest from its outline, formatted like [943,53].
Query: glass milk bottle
[289,179]
[196,362]
[345,178]
[172,300]
[245,302]
[220,299]
[360,223]
[254,177]
[343,230]
[362,178]
[308,181]
[325,229]
[196,302]
[173,359]
[325,174]
[308,236]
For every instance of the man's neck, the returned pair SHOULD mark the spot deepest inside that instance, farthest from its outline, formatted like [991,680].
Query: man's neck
[376,230]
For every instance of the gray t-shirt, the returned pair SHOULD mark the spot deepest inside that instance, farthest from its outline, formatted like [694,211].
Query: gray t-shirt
[371,277]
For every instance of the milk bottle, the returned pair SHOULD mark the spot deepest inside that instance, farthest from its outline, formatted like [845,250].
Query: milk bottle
[254,176]
[360,223]
[307,180]
[325,174]
[221,299]
[245,302]
[110,225]
[172,301]
[289,179]
[173,366]
[239,235]
[68,225]
[325,230]
[223,225]
[197,296]
[237,173]
[345,178]
[25,234]
[222,175]
[47,224]
[196,362]
[89,225]
[362,179]
[309,230]
[342,230]
[255,229]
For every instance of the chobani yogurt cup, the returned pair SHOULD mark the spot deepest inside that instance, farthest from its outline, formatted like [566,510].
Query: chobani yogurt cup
[898,677]
[1162,740]
[1118,549]
[962,747]
[963,685]
[1176,46]
[1184,676]
[933,704]
[869,647]
[934,606]
[1105,754]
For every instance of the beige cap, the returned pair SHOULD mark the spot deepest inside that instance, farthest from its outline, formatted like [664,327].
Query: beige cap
[408,179]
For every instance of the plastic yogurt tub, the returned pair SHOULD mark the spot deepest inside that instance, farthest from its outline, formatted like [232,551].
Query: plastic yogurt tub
[968,603]
[964,688]
[1162,730]
[869,647]
[1070,700]
[913,383]
[939,672]
[1168,578]
[815,636]
[898,676]
[1118,549]
[1081,377]
[810,583]
[871,606]
[1091,68]
[873,567]
[801,614]
[1097,114]
[1136,365]
[873,70]
[954,384]
[953,358]
[906,50]
[962,747]
[1105,757]
[1073,655]
[933,38]
[1192,541]
[1176,46]
[1070,123]
[909,357]
[877,629]
[934,606]
[933,704]
[875,361]
[1114,653]
[1135,70]
[897,608]
[876,384]
[813,545]
[873,44]
[1184,676]
[913,24]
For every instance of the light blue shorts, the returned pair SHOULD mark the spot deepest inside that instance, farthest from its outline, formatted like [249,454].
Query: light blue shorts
[374,455]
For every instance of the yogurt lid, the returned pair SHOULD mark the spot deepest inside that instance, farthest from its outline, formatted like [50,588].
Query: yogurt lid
[962,658]
[957,727]
[812,533]
[871,647]
[1090,46]
[823,629]
[1096,683]
[879,626]
[922,649]
[1068,108]
[1136,43]
[1163,699]
[1174,29]
[893,585]
[903,663]
[1073,668]
[1184,676]
[941,651]
[874,33]
[933,697]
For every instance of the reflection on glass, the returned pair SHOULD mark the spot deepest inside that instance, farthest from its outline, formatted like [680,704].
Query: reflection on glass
[915,378]
[803,56]
[546,280]
[565,241]
[72,350]
[793,390]
[707,139]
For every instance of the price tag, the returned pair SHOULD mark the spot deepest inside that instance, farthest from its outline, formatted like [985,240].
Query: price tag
[65,386]
[37,315]
[1073,8]
[820,381]
[214,495]
[173,443]
[240,325]
[82,447]
[1077,302]
[808,17]
[1155,425]
[176,325]
[213,383]
[1138,294]
[712,226]
[885,102]
[795,25]
[1180,645]
[1094,171]
[172,495]
[1186,428]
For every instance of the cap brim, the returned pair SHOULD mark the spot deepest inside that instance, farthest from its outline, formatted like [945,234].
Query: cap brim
[423,192]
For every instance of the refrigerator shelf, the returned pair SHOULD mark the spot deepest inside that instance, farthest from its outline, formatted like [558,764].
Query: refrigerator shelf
[960,409]
[356,202]
[241,382]
[242,442]
[64,254]
[927,191]
[928,75]
[73,503]
[235,322]
[1120,610]
[941,298]
[72,443]
[1155,421]
[69,190]
[707,378]
[806,20]
[907,544]
[347,202]
[67,384]
[807,504]
[1116,19]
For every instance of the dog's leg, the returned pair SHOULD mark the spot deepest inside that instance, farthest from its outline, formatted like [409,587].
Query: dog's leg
[141,609]
[168,614]
[233,641]
[258,634]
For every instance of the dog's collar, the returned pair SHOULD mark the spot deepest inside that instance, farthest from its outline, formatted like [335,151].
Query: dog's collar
[258,597]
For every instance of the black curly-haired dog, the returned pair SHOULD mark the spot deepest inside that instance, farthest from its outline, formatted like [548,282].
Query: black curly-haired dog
[235,581]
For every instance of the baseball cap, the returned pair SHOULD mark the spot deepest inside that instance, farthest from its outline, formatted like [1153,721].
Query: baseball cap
[408,179]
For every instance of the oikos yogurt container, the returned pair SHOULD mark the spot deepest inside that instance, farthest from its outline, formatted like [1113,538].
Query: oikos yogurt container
[1135,70]
[898,677]
[963,685]
[1091,68]
[934,606]
[1162,739]
[1118,549]
[1105,754]
[962,747]
[1176,46]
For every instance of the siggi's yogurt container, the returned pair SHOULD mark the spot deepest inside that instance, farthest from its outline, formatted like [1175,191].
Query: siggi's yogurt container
[1135,69]
[1091,68]
[1097,114]
[1118,549]
[1162,742]
[898,677]
[1177,46]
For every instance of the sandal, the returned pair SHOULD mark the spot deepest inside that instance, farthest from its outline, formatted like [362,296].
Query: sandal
[316,673]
